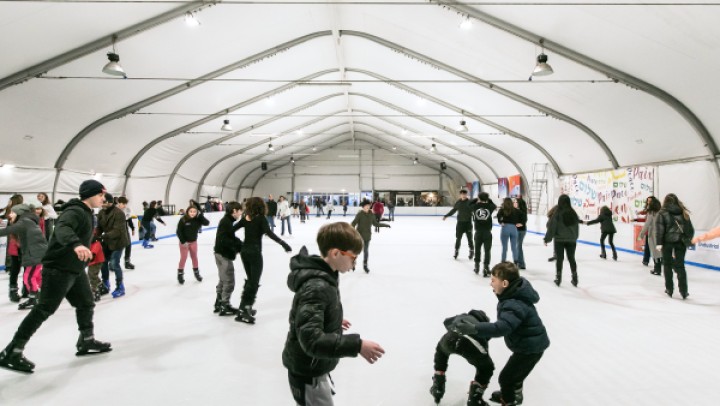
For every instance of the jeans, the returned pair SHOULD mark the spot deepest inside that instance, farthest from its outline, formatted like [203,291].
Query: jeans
[56,285]
[509,232]
[391,213]
[114,264]
[271,222]
[284,220]
[521,254]
[150,228]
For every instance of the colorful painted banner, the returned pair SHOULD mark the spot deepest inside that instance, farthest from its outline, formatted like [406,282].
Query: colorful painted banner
[515,186]
[624,191]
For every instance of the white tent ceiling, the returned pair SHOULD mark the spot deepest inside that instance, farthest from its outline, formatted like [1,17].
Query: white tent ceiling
[631,84]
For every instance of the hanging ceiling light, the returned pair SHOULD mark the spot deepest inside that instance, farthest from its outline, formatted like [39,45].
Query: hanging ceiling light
[415,161]
[292,160]
[432,148]
[394,148]
[466,24]
[191,20]
[113,67]
[462,128]
[226,126]
[270,148]
[314,148]
[542,68]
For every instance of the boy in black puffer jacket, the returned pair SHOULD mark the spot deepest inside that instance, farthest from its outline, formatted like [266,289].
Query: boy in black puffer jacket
[520,324]
[473,349]
[315,342]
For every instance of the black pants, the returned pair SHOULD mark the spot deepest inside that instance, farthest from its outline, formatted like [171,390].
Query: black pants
[483,240]
[610,241]
[252,260]
[514,373]
[13,268]
[646,252]
[56,285]
[560,249]
[482,362]
[366,251]
[128,249]
[673,258]
[463,227]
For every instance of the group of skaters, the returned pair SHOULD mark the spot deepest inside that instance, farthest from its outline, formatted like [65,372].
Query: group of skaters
[315,340]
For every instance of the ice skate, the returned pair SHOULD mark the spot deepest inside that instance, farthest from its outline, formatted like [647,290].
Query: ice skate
[12,358]
[472,254]
[129,265]
[245,314]
[88,345]
[198,277]
[486,272]
[13,294]
[181,276]
[437,390]
[456,254]
[475,395]
[28,304]
[119,291]
[226,309]
[477,269]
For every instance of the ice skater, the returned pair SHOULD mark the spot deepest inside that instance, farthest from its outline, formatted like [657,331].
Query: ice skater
[363,222]
[518,321]
[482,211]
[464,223]
[607,229]
[473,349]
[187,232]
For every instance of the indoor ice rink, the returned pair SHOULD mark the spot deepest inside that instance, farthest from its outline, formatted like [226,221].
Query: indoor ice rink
[409,102]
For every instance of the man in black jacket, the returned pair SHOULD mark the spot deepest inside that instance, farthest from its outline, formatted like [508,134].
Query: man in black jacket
[464,222]
[272,209]
[112,227]
[63,276]
[227,245]
[482,211]
[316,342]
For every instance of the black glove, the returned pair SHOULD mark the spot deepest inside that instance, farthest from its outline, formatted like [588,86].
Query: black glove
[286,247]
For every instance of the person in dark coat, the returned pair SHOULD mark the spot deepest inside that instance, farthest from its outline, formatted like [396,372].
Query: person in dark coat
[315,341]
[563,228]
[674,232]
[64,277]
[227,246]
[473,349]
[607,229]
[363,222]
[272,209]
[510,220]
[112,229]
[482,210]
[34,245]
[187,232]
[518,321]
[464,223]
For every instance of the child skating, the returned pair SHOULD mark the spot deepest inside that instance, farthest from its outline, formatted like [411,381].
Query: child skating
[607,229]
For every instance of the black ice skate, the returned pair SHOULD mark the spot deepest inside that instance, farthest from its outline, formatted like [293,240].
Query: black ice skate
[196,272]
[437,390]
[497,397]
[129,265]
[88,345]
[245,314]
[475,395]
[28,304]
[181,276]
[486,272]
[13,359]
[227,310]
[477,269]
[456,254]
[13,294]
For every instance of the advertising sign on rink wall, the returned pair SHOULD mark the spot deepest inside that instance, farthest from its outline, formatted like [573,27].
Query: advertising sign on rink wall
[624,191]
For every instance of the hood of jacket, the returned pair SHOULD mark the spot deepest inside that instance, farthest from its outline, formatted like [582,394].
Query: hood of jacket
[30,216]
[72,203]
[304,267]
[673,209]
[520,289]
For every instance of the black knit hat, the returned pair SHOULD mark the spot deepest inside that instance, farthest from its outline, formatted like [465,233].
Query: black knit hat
[90,188]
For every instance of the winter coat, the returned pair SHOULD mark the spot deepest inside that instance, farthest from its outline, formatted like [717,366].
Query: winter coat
[363,221]
[462,207]
[31,238]
[607,225]
[187,229]
[272,208]
[284,209]
[518,320]
[226,243]
[315,341]
[558,231]
[378,208]
[73,228]
[667,229]
[515,217]
[482,214]
[648,231]
[113,226]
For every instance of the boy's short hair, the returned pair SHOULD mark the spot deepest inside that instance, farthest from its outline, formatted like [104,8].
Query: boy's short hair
[340,235]
[483,196]
[122,200]
[232,206]
[365,203]
[506,271]
[463,192]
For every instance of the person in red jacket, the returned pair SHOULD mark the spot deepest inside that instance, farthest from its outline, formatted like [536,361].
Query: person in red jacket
[378,208]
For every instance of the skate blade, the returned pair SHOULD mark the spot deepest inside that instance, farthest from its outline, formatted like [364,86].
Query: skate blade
[21,371]
[245,320]
[82,354]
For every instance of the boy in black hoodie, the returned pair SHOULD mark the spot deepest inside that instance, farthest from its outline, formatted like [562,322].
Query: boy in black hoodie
[63,277]
[482,210]
[316,342]
[518,321]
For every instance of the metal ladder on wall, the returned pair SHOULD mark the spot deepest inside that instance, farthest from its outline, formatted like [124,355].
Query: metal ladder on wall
[538,188]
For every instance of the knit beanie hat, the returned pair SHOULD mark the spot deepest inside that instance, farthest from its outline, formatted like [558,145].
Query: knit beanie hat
[21,209]
[90,188]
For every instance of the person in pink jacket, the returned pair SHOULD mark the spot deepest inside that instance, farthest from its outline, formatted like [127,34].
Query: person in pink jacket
[710,235]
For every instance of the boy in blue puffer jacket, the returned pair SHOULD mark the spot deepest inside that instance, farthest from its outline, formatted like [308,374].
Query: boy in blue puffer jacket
[520,324]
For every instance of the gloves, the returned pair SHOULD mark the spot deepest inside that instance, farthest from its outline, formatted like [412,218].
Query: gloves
[286,247]
[465,327]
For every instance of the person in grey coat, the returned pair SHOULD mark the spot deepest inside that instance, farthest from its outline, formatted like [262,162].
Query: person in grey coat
[32,240]
[563,228]
[648,231]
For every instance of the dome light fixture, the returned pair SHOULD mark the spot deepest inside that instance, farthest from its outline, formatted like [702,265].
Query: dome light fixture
[415,161]
[462,128]
[113,67]
[542,68]
[191,20]
[292,160]
[432,148]
[270,148]
[226,125]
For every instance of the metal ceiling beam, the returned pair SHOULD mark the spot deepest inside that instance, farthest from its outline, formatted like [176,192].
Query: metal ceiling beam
[465,113]
[100,43]
[607,70]
[490,86]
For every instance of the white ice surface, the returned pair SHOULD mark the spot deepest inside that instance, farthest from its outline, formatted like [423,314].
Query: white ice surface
[617,339]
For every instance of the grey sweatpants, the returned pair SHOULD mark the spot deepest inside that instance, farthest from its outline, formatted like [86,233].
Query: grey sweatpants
[226,278]
[312,391]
